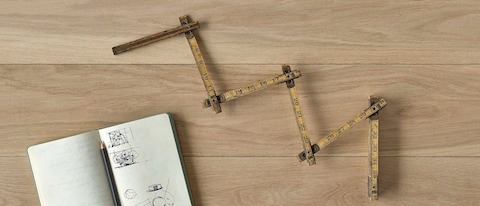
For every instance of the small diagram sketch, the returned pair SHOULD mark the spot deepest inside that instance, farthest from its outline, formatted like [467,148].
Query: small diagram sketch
[154,187]
[130,194]
[165,199]
[119,137]
[145,203]
[162,197]
[125,157]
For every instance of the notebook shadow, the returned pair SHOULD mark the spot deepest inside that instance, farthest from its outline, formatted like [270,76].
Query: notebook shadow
[188,159]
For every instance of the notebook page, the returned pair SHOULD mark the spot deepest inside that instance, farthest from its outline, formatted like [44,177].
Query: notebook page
[70,171]
[146,164]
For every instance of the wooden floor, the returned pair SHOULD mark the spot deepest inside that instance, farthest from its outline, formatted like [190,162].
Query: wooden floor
[58,77]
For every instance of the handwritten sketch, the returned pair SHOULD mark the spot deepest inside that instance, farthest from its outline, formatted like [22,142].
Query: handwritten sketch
[154,187]
[125,157]
[161,198]
[130,194]
[165,200]
[119,137]
[145,203]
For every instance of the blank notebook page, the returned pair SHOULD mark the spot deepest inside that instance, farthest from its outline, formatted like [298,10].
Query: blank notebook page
[70,171]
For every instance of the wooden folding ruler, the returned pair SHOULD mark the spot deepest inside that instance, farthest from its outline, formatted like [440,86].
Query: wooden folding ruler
[376,104]
[185,28]
[373,152]
[288,77]
[213,100]
[323,142]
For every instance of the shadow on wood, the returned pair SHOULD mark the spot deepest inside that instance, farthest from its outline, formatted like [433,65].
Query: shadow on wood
[389,171]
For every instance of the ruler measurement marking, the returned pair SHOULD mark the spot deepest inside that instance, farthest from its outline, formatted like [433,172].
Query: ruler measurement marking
[299,118]
[323,142]
[373,153]
[257,86]
[202,67]
[301,126]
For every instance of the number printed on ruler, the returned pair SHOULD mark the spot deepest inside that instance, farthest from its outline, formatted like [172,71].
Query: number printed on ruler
[374,136]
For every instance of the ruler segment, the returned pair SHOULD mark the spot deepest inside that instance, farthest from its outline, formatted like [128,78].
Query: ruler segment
[373,152]
[202,67]
[257,86]
[307,146]
[155,37]
[323,142]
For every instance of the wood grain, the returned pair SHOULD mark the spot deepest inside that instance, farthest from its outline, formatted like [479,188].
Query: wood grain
[431,111]
[244,32]
[16,182]
[58,77]
[280,181]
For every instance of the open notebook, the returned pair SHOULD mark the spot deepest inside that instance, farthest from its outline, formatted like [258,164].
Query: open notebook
[145,159]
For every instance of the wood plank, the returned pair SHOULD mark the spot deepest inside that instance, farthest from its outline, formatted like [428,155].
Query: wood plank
[280,181]
[334,181]
[16,182]
[241,32]
[431,111]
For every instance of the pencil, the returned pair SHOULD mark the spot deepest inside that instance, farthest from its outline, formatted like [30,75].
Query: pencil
[111,179]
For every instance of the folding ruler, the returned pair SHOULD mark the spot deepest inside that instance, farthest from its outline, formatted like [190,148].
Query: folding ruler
[288,77]
[373,152]
[213,100]
[323,142]
[185,28]
[376,104]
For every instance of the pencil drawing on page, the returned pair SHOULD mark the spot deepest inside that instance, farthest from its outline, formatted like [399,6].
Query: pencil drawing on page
[154,187]
[130,194]
[119,137]
[125,157]
[165,199]
[161,198]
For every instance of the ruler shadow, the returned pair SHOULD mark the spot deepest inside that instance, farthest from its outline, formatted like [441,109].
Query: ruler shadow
[218,81]
[306,81]
[389,147]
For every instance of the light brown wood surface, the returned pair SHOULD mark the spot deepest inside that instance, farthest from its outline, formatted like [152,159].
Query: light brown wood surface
[58,77]
[239,31]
